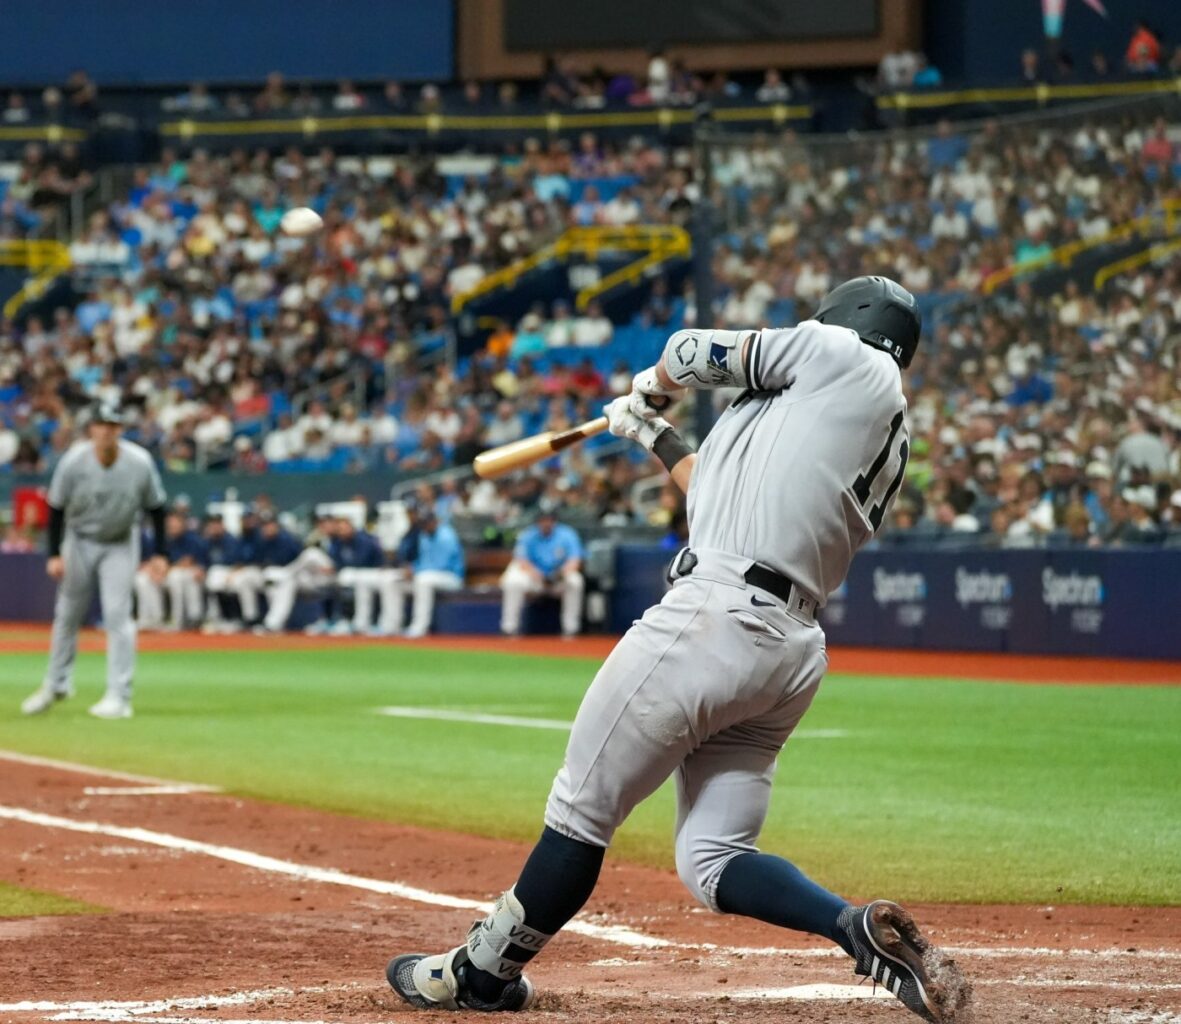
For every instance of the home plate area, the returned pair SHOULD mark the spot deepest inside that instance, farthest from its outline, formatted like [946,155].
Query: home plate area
[221,909]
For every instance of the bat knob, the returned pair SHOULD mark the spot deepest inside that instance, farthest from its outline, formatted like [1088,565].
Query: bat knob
[658,402]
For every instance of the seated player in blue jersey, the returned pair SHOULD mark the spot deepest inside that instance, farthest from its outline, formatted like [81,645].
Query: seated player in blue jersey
[547,560]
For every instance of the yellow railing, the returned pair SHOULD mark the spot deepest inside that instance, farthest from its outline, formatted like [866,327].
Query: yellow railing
[656,243]
[51,133]
[1138,259]
[1039,93]
[44,259]
[551,121]
[1166,215]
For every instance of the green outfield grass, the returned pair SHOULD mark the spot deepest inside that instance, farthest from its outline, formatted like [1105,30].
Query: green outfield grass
[17,902]
[942,790]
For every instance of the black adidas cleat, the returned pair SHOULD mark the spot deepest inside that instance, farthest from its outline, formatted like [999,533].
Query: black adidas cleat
[891,950]
[437,983]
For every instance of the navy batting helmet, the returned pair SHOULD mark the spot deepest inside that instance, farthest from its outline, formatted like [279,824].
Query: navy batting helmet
[107,412]
[882,312]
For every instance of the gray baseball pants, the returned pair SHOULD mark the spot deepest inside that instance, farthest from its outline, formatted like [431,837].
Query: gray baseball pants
[708,684]
[111,568]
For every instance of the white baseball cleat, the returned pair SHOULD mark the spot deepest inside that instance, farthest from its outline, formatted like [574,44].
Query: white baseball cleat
[112,707]
[42,699]
[437,983]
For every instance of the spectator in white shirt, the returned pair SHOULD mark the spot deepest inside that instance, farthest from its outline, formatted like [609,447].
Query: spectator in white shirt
[347,431]
[622,209]
[949,223]
[284,442]
[560,332]
[774,89]
[659,76]
[593,329]
[506,426]
[316,418]
[347,97]
[444,422]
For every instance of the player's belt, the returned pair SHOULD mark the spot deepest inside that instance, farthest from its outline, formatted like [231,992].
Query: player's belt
[771,581]
[714,565]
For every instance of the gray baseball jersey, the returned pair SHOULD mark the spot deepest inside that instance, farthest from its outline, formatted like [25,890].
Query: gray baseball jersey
[102,507]
[799,473]
[796,475]
[104,503]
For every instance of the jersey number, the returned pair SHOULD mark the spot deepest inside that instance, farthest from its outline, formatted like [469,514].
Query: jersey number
[863,488]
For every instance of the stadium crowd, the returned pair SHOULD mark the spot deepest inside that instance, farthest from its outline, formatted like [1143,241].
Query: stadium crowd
[236,347]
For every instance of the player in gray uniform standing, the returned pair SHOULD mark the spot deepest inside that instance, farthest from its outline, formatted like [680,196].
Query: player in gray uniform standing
[96,497]
[794,478]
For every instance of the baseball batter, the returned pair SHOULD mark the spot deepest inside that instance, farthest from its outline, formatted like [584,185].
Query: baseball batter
[795,477]
[96,497]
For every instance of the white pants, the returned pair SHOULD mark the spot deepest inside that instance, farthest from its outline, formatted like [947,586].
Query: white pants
[311,571]
[707,685]
[518,585]
[243,581]
[423,585]
[217,582]
[367,584]
[185,595]
[149,600]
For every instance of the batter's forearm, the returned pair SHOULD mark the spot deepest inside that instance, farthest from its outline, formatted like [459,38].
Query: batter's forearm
[678,458]
[55,531]
[706,360]
[682,471]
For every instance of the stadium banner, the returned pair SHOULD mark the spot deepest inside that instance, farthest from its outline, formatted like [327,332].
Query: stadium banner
[1116,603]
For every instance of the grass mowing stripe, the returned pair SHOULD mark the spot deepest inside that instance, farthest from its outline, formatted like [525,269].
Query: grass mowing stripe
[950,790]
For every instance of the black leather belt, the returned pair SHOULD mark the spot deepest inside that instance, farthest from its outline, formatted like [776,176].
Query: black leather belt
[757,576]
[771,581]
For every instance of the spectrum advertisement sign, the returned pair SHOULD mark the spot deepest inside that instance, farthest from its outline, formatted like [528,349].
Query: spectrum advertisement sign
[1120,603]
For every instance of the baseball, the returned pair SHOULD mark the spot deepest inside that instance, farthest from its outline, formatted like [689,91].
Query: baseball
[301,222]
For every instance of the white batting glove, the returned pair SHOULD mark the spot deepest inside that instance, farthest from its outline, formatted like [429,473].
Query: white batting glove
[623,422]
[649,397]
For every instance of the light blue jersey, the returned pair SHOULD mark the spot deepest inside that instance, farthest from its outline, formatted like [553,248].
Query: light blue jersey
[440,551]
[548,554]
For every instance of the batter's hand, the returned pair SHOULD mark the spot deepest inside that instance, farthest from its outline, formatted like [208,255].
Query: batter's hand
[55,568]
[622,421]
[649,397]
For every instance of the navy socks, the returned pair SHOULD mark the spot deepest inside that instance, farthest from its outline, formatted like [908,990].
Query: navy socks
[557,880]
[774,890]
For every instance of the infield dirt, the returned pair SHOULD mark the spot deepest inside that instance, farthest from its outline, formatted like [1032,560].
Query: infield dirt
[203,939]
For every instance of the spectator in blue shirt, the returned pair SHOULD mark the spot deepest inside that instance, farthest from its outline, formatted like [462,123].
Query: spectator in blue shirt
[437,566]
[547,560]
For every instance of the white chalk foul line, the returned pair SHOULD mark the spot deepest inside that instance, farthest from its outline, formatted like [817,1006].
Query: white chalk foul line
[153,1006]
[163,1011]
[106,773]
[617,934]
[308,872]
[559,725]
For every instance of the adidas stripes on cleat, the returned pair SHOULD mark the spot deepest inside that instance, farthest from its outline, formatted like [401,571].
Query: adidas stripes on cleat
[891,950]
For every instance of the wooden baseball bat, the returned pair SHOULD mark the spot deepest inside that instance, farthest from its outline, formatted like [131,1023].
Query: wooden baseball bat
[519,454]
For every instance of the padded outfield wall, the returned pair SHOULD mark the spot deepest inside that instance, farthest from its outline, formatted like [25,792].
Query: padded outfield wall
[1118,603]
